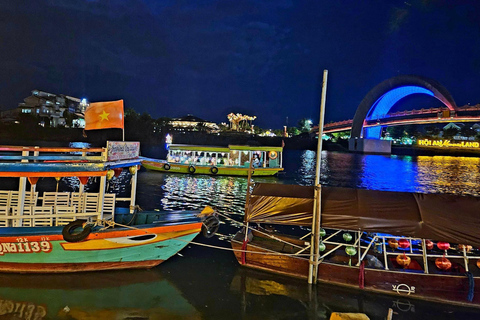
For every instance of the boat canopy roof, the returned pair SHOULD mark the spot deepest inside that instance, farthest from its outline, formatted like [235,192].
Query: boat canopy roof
[440,217]
[223,149]
[17,161]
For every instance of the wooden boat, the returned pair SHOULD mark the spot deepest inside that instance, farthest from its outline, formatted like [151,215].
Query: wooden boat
[84,231]
[231,161]
[372,240]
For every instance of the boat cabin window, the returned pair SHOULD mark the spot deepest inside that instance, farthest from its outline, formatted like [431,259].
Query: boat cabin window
[234,158]
[245,158]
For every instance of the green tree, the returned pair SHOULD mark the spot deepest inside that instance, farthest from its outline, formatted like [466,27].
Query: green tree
[305,125]
[449,133]
[432,131]
[396,132]
[468,131]
[293,131]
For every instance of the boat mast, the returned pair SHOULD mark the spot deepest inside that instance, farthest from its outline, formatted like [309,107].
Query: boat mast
[315,238]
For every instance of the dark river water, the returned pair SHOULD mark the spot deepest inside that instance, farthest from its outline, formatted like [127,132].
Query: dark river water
[207,283]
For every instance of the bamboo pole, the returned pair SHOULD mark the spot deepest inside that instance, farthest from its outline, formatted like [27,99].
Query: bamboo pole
[315,239]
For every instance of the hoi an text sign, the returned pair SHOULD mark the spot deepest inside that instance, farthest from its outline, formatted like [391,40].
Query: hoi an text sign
[448,143]
[121,150]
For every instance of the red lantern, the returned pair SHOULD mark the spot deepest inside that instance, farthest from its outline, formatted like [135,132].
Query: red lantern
[393,243]
[403,260]
[443,264]
[117,171]
[443,245]
[403,243]
[429,244]
[478,263]
[83,180]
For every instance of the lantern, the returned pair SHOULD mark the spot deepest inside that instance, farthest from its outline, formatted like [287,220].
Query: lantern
[467,248]
[392,243]
[117,172]
[347,237]
[443,245]
[478,263]
[443,264]
[132,169]
[351,251]
[429,244]
[83,180]
[322,232]
[403,260]
[403,243]
[110,174]
[58,178]
[33,180]
[321,247]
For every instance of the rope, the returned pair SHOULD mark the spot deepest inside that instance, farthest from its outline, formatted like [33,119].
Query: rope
[261,232]
[471,286]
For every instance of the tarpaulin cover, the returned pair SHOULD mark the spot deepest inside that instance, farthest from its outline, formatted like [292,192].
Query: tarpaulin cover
[441,217]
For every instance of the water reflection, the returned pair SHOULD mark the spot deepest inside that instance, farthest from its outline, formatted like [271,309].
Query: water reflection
[301,301]
[136,294]
[427,174]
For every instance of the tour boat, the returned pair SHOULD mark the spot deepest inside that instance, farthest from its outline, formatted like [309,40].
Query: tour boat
[231,161]
[84,231]
[420,245]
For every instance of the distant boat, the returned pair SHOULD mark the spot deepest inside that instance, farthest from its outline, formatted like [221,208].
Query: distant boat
[233,160]
[84,231]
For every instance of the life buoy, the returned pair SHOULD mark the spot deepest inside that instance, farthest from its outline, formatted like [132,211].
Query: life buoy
[69,234]
[166,166]
[192,169]
[273,155]
[214,170]
[210,226]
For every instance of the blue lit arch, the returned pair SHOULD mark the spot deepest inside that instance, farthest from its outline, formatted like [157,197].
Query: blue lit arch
[385,95]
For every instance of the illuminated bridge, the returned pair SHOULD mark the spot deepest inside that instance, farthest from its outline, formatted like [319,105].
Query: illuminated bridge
[372,114]
[423,116]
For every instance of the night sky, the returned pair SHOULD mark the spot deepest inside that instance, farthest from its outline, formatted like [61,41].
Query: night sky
[211,57]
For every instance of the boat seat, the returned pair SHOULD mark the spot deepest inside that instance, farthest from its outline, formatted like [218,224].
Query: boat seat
[25,220]
[109,205]
[64,211]
[43,221]
[91,202]
[77,200]
[4,213]
[30,199]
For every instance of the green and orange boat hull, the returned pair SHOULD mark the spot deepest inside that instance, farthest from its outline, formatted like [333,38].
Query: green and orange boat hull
[43,250]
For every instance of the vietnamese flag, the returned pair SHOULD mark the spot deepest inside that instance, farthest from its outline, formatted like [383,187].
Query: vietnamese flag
[104,115]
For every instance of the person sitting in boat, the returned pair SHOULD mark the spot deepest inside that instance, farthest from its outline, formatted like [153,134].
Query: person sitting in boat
[256,161]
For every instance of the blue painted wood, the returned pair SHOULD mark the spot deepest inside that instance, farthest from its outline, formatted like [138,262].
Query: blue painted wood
[50,167]
[53,158]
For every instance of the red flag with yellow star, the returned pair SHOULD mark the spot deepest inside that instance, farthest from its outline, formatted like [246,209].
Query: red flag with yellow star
[104,115]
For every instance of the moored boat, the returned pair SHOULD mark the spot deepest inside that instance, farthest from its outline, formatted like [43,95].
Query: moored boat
[84,231]
[389,242]
[233,160]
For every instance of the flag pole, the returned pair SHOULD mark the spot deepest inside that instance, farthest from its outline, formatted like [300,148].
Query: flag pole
[315,238]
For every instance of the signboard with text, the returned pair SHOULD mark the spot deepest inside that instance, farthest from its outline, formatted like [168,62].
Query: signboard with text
[122,150]
[448,143]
